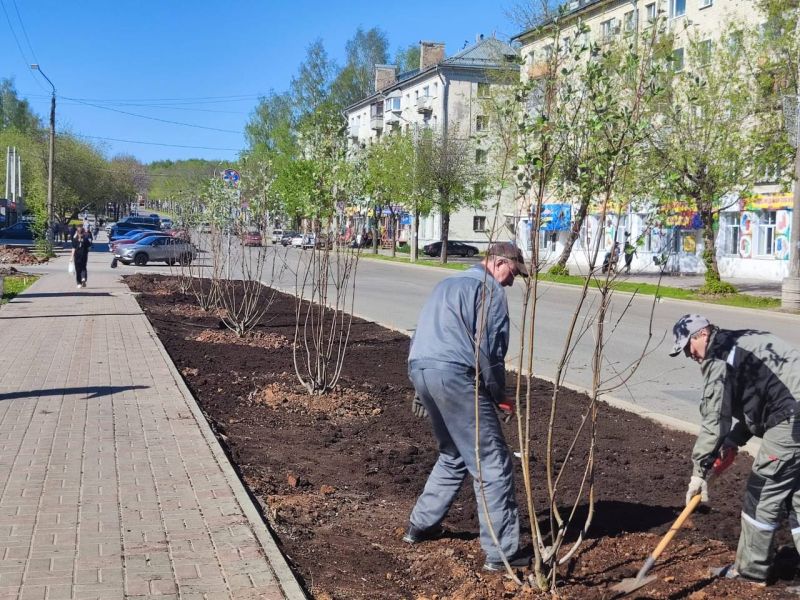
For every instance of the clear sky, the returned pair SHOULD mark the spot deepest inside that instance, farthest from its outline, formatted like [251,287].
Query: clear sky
[198,62]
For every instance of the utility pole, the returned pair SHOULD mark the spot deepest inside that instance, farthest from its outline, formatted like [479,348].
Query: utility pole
[49,234]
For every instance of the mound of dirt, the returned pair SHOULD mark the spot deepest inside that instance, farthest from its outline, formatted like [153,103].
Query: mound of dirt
[19,256]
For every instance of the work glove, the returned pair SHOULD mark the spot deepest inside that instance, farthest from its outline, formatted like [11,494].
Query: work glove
[506,410]
[727,455]
[418,408]
[697,485]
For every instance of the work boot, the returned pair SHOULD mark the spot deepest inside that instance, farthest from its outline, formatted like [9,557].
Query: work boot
[731,572]
[415,535]
[520,560]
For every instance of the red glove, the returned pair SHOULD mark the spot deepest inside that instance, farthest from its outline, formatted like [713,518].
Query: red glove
[507,409]
[726,457]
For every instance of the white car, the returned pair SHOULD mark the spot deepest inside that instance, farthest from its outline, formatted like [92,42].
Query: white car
[304,240]
[277,234]
[166,223]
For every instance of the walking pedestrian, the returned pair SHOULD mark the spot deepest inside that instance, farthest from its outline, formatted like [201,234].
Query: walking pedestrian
[754,377]
[630,251]
[442,366]
[81,242]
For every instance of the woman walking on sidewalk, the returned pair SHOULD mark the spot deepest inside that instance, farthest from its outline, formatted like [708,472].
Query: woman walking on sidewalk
[81,243]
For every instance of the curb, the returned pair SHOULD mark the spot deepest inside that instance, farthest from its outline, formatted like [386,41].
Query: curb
[284,577]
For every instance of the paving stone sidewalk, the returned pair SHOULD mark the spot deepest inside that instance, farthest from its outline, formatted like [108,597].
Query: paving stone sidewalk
[111,483]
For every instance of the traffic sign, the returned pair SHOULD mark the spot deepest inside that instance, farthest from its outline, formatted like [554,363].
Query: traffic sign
[231,177]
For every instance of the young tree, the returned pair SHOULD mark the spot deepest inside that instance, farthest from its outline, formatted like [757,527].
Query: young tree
[705,141]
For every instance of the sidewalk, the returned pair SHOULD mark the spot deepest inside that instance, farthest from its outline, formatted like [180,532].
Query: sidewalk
[112,485]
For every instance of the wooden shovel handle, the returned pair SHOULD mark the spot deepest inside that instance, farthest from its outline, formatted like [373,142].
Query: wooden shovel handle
[676,526]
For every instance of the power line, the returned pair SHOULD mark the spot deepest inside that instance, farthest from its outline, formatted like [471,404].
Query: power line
[124,112]
[19,46]
[189,99]
[110,139]
[24,31]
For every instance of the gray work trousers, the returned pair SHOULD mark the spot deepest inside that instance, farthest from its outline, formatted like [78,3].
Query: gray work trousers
[772,489]
[450,400]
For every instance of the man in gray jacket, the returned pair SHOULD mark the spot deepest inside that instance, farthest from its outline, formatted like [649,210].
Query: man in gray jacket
[460,343]
[753,377]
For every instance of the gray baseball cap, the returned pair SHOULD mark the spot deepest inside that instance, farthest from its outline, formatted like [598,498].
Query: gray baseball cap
[511,251]
[685,328]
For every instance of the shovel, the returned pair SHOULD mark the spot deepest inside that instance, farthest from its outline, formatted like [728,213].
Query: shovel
[632,584]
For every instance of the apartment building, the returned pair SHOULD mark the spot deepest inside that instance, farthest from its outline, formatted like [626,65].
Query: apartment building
[754,233]
[447,95]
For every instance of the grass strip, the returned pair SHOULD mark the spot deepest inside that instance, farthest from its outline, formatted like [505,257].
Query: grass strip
[633,287]
[14,285]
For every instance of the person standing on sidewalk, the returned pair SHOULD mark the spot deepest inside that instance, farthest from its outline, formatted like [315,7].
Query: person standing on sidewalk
[754,377]
[442,366]
[81,242]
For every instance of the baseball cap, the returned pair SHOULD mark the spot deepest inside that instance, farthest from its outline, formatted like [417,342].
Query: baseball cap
[509,250]
[685,328]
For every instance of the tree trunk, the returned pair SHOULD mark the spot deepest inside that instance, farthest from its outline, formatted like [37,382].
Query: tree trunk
[445,235]
[415,237]
[374,229]
[393,236]
[574,232]
[709,248]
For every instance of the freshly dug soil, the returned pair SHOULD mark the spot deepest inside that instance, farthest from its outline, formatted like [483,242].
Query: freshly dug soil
[19,256]
[337,475]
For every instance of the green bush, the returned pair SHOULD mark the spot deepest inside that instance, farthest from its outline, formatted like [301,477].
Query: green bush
[715,287]
[558,270]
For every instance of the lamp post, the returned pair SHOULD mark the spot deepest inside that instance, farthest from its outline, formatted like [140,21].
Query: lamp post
[49,234]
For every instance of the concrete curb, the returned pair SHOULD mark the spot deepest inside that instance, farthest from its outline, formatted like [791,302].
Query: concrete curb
[283,574]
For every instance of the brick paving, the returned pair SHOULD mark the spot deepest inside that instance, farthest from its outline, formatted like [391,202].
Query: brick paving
[111,483]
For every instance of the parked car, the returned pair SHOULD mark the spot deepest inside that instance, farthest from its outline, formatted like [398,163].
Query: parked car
[453,249]
[123,228]
[252,237]
[157,248]
[137,220]
[133,238]
[286,238]
[166,223]
[277,234]
[18,231]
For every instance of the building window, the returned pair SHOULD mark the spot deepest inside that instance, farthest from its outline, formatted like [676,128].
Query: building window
[547,240]
[650,11]
[678,8]
[629,22]
[771,174]
[426,91]
[705,3]
[608,29]
[480,156]
[479,192]
[704,50]
[729,228]
[435,89]
[566,42]
[766,233]
[483,90]
[677,60]
[392,104]
[481,123]
[478,223]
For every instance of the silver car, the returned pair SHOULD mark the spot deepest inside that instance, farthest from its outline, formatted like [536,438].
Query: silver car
[157,248]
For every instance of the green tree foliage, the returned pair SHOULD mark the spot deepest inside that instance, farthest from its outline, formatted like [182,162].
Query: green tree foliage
[356,81]
[407,59]
[14,112]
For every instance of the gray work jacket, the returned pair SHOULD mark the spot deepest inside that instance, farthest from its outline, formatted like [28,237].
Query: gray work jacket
[462,309]
[752,376]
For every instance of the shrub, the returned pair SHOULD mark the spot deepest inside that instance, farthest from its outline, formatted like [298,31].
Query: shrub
[558,270]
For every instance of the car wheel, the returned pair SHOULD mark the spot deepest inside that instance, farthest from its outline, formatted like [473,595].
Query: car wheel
[140,259]
[170,261]
[470,253]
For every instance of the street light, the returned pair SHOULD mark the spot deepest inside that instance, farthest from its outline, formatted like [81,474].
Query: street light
[49,234]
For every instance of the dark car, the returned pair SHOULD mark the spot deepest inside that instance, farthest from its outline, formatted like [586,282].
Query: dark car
[18,231]
[453,249]
[124,227]
[286,238]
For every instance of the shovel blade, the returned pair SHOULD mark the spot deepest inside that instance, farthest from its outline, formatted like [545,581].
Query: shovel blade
[632,584]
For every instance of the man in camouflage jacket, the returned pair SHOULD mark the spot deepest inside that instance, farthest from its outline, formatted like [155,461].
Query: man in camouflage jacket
[753,377]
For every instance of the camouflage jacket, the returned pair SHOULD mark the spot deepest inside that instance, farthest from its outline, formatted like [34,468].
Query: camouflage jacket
[752,376]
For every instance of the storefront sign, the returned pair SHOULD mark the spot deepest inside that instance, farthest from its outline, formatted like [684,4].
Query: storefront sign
[556,217]
[766,202]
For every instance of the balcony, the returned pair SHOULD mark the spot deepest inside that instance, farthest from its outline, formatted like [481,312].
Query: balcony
[424,104]
[376,122]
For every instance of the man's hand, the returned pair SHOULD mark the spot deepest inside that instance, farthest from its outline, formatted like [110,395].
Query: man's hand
[507,410]
[418,408]
[697,485]
[726,457]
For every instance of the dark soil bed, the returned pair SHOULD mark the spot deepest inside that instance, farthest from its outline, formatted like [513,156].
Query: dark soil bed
[338,476]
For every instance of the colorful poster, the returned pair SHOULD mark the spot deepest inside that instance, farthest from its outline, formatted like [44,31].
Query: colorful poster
[746,224]
[783,231]
[556,217]
[766,202]
[689,244]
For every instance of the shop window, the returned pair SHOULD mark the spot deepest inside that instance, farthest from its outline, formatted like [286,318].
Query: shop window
[729,233]
[766,233]
[547,241]
[478,223]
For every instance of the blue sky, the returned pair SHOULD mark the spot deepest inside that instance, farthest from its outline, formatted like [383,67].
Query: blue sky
[205,63]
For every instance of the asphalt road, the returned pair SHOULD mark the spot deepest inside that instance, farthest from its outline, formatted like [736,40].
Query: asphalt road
[392,294]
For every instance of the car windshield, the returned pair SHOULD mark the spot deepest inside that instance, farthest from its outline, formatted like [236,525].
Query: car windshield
[149,240]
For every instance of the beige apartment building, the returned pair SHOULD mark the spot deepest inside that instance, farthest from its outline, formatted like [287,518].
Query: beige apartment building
[754,233]
[447,95]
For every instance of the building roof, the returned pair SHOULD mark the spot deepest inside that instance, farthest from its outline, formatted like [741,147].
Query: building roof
[486,53]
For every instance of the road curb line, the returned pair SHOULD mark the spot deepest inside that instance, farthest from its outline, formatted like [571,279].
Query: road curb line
[284,577]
